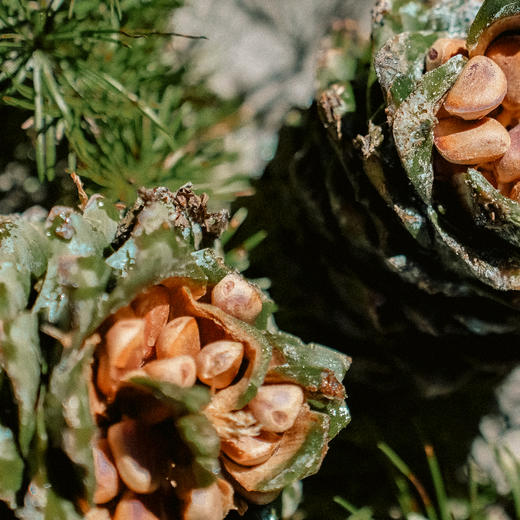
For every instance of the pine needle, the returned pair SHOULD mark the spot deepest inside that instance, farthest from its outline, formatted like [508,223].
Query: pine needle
[406,471]
[105,92]
[438,484]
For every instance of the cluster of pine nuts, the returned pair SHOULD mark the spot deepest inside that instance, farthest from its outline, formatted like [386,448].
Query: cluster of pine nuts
[131,458]
[478,121]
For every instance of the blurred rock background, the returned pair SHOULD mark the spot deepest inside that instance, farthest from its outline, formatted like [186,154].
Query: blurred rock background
[265,52]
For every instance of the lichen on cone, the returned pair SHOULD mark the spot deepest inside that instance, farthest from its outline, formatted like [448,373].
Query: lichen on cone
[133,383]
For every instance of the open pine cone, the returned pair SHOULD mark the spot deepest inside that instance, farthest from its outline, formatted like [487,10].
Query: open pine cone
[410,259]
[169,393]
[408,239]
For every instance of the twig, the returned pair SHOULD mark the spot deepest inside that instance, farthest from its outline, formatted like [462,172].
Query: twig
[83,197]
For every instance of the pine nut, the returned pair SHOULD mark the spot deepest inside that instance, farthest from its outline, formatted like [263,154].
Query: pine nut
[507,168]
[107,479]
[134,461]
[104,380]
[179,336]
[479,89]
[276,406]
[237,297]
[444,49]
[180,370]
[218,363]
[471,142]
[505,52]
[125,344]
[154,306]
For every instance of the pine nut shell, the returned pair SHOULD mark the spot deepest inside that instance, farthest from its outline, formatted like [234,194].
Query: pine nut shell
[507,168]
[505,52]
[308,435]
[471,142]
[479,89]
[107,478]
[178,337]
[154,306]
[237,297]
[132,456]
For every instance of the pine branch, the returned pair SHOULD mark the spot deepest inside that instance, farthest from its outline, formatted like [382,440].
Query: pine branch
[94,76]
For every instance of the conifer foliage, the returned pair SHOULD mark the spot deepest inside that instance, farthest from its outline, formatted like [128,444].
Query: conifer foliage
[98,78]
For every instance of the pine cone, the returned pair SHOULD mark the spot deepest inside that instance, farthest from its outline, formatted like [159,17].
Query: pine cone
[406,244]
[409,259]
[169,392]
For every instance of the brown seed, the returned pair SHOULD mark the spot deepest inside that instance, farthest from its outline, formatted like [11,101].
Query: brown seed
[444,49]
[179,336]
[131,508]
[507,168]
[250,451]
[237,297]
[204,504]
[104,380]
[479,89]
[505,52]
[133,456]
[276,407]
[180,370]
[218,363]
[125,344]
[154,306]
[471,142]
[107,479]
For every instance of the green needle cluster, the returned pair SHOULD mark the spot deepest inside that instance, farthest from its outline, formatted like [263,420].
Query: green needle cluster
[104,94]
